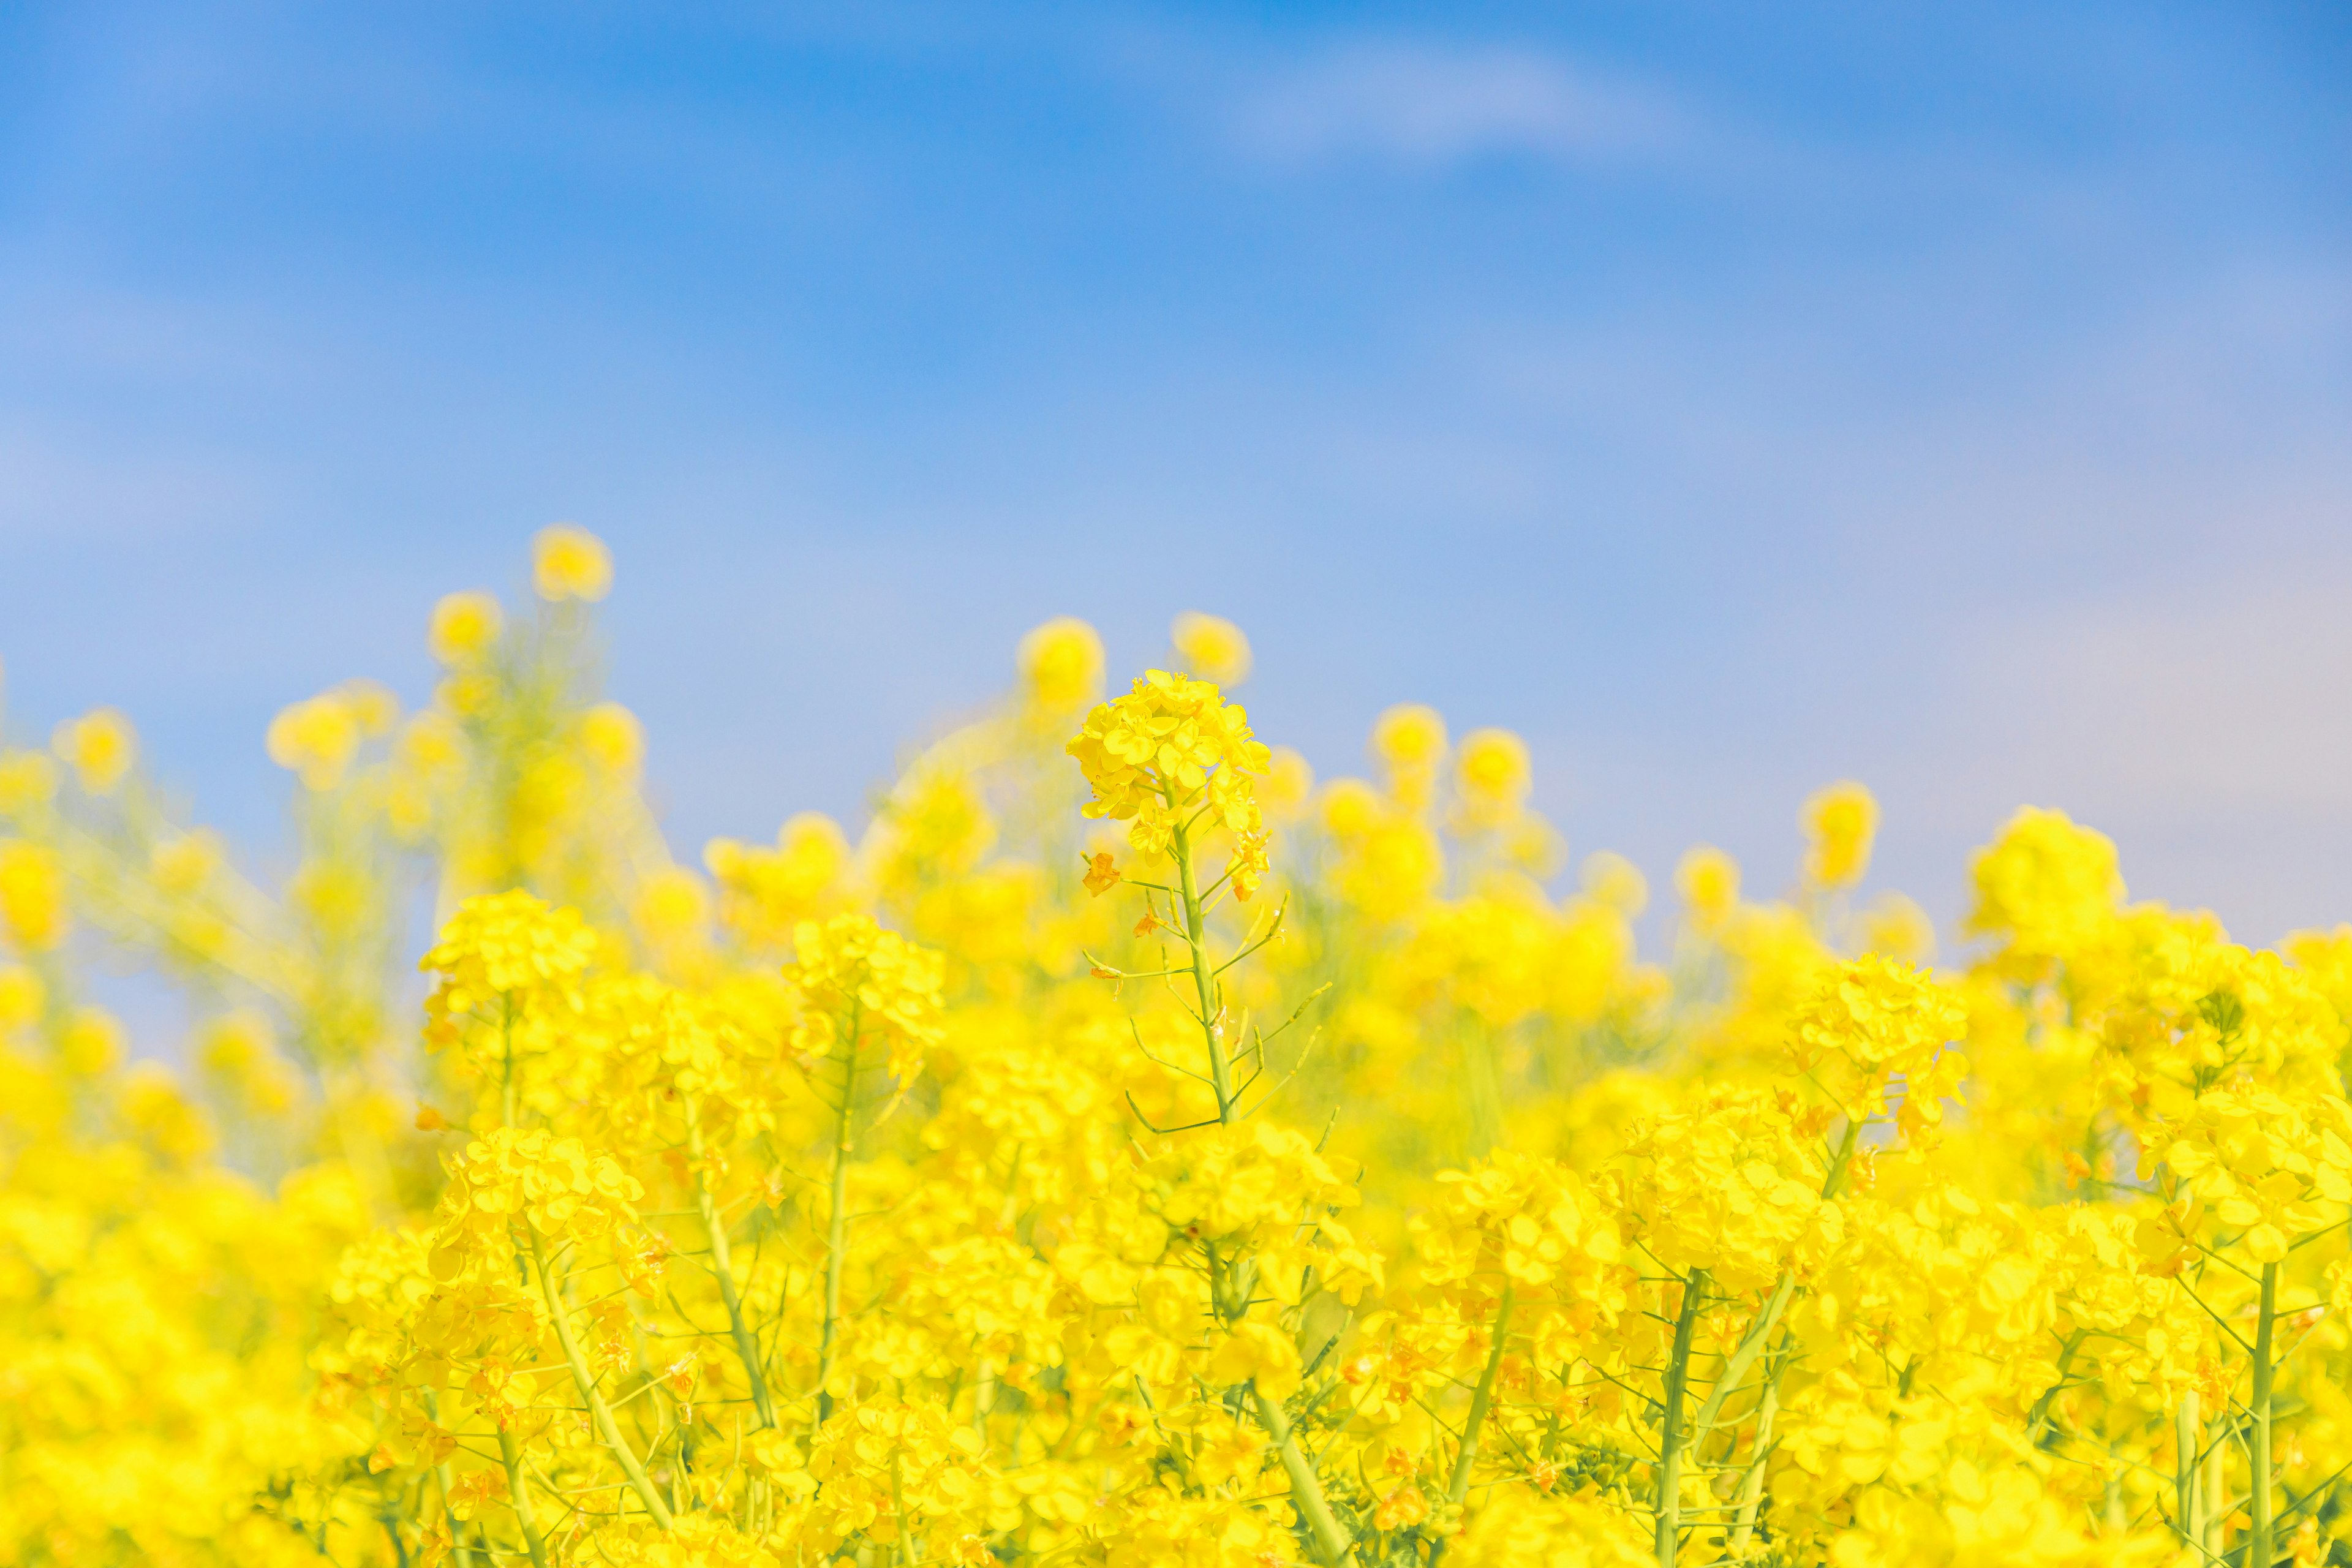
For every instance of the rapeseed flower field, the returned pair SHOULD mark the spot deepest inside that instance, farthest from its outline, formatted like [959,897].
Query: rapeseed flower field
[1127,1150]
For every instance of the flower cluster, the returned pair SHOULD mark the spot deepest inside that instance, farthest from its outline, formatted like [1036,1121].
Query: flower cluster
[943,1190]
[1173,757]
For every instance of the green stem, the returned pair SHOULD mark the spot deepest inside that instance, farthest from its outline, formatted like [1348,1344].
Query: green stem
[1751,1345]
[1480,1398]
[836,1236]
[606,1427]
[2217,1495]
[2186,1514]
[1751,1489]
[747,1345]
[1331,1543]
[465,1553]
[1670,1447]
[1204,982]
[2260,1545]
[518,1495]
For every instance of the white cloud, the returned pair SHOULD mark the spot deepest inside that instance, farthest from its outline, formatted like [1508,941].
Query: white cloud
[1429,108]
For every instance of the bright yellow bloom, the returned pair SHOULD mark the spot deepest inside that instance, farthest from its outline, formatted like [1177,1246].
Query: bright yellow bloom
[91,1042]
[2044,885]
[465,627]
[1708,880]
[1494,774]
[1170,749]
[1212,647]
[567,562]
[32,895]
[28,779]
[1840,824]
[100,747]
[501,946]
[611,734]
[1409,742]
[861,987]
[316,739]
[1609,879]
[1061,665]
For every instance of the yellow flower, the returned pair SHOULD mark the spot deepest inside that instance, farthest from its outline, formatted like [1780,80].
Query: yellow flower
[1841,821]
[28,779]
[465,627]
[863,987]
[505,944]
[1609,879]
[1170,749]
[1409,742]
[91,1042]
[316,739]
[32,895]
[611,734]
[2044,885]
[1494,776]
[1061,665]
[100,747]
[1899,928]
[1708,880]
[567,562]
[1212,647]
[1261,1353]
[21,996]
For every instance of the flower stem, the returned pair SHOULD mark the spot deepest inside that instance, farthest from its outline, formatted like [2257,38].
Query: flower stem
[1331,1543]
[2187,1515]
[1480,1399]
[518,1494]
[837,1236]
[2260,1539]
[1204,982]
[1670,1446]
[606,1427]
[747,1345]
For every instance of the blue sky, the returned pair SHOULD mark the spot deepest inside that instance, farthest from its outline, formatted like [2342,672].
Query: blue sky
[1728,398]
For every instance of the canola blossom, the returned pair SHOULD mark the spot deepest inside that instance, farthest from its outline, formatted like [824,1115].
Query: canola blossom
[1126,1151]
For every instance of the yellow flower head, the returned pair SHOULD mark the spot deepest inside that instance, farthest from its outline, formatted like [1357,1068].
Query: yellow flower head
[1212,646]
[1061,665]
[1494,775]
[28,779]
[1167,750]
[1289,785]
[1899,928]
[567,562]
[182,865]
[2044,885]
[864,988]
[465,627]
[316,739]
[100,746]
[560,1187]
[91,1042]
[32,895]
[1874,1020]
[1409,742]
[611,734]
[505,944]
[1840,824]
[1708,880]
[1612,880]
[764,892]
[21,997]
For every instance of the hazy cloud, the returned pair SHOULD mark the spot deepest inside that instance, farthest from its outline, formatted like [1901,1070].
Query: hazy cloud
[1429,108]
